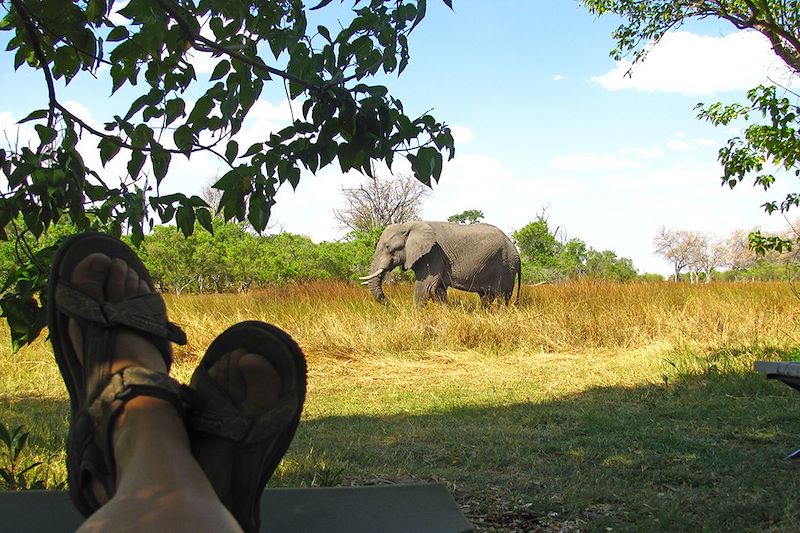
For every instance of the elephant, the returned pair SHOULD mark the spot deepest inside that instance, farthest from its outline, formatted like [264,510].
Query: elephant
[471,257]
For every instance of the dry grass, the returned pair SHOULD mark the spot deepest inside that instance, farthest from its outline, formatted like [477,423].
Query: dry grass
[608,405]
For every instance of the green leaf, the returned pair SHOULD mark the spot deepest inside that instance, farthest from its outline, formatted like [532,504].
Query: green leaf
[108,149]
[136,163]
[5,436]
[39,114]
[174,108]
[185,218]
[160,160]
[95,10]
[205,219]
[254,149]
[258,212]
[202,109]
[66,61]
[118,33]
[137,105]
[46,134]
[184,138]
[346,153]
[220,70]
[231,151]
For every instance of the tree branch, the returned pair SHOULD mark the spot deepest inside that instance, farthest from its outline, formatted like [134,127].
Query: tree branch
[195,37]
[37,49]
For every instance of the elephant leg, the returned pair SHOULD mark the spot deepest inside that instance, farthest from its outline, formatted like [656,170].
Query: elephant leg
[440,293]
[421,293]
[487,297]
[430,288]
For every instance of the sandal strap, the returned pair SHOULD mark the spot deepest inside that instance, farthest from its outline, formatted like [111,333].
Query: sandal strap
[127,384]
[97,455]
[218,415]
[146,313]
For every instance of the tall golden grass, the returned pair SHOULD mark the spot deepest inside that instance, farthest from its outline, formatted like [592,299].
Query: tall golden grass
[338,323]
[333,320]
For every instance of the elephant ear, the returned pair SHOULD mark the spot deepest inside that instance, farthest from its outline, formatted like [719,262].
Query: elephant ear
[421,239]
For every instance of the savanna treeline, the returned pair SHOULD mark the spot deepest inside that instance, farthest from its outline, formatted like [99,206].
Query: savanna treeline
[235,259]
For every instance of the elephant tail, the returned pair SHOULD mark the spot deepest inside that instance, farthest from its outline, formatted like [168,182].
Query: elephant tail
[519,283]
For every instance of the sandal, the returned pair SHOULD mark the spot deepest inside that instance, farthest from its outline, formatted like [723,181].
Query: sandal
[259,442]
[96,395]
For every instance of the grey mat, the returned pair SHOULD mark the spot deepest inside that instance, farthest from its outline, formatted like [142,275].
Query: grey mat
[383,509]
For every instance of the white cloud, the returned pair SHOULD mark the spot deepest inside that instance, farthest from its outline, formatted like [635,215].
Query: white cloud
[651,152]
[309,209]
[679,145]
[462,134]
[687,63]
[16,135]
[592,160]
[469,181]
[558,77]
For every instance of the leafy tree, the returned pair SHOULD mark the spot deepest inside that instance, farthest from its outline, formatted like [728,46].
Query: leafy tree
[536,243]
[147,48]
[351,257]
[19,309]
[546,258]
[606,265]
[577,260]
[169,258]
[572,258]
[470,216]
[772,143]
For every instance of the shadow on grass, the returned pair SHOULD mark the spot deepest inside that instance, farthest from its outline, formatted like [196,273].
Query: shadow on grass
[705,452]
[46,422]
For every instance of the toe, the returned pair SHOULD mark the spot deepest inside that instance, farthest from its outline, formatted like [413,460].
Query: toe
[131,283]
[90,274]
[144,288]
[226,373]
[262,382]
[117,280]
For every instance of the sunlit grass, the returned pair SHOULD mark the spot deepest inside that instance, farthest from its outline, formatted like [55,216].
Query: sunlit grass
[590,405]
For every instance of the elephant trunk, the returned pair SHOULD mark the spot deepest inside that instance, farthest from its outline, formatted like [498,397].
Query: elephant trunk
[375,287]
[375,279]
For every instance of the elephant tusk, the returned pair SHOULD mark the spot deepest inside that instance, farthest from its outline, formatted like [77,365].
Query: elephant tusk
[373,275]
[365,282]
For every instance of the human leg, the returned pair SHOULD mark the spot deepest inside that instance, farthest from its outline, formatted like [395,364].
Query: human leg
[134,460]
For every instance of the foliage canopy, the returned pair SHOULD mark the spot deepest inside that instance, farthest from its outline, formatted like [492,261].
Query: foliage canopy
[147,48]
[765,148]
[545,257]
[470,216]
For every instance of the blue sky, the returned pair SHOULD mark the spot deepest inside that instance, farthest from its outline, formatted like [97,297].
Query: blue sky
[543,118]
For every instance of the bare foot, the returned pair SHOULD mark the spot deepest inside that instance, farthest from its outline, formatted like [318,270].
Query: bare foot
[253,384]
[111,280]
